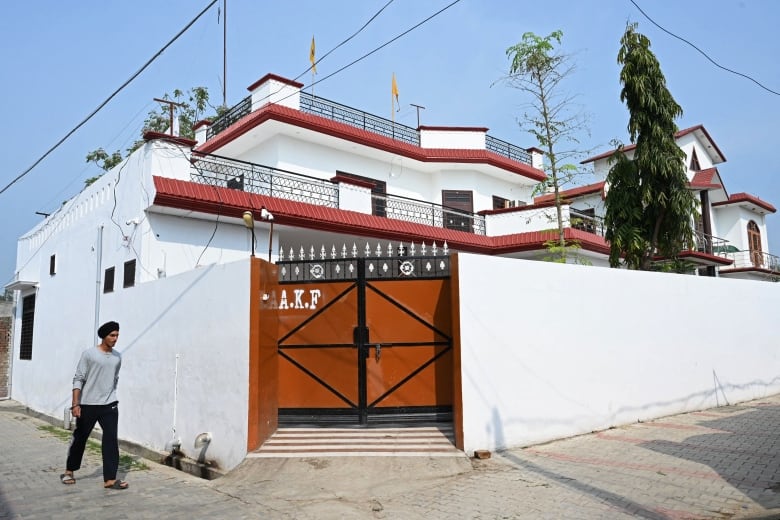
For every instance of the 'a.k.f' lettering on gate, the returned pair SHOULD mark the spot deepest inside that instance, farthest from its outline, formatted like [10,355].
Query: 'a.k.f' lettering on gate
[299,299]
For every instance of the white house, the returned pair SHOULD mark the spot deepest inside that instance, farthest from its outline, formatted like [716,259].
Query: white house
[214,255]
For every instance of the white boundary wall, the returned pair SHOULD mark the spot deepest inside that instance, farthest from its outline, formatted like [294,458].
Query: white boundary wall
[202,317]
[551,350]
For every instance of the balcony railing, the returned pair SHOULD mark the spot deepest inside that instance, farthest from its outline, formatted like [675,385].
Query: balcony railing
[704,243]
[585,222]
[263,180]
[744,259]
[411,210]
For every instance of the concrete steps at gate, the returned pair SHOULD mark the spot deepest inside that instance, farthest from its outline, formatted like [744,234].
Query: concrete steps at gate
[422,441]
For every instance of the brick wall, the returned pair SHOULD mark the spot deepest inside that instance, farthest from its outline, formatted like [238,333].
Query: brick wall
[6,322]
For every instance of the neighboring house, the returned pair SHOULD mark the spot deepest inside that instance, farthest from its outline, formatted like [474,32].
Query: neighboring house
[730,230]
[162,244]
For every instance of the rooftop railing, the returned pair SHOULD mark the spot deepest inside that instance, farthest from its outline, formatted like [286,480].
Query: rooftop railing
[507,149]
[243,108]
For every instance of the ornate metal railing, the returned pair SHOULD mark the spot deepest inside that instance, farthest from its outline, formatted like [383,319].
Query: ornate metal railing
[411,210]
[395,261]
[359,119]
[243,108]
[507,149]
[588,223]
[263,180]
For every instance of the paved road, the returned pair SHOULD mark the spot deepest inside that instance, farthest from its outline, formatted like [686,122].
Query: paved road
[718,463]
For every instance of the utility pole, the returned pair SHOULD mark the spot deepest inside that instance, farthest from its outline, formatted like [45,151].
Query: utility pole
[170,104]
[224,54]
[418,107]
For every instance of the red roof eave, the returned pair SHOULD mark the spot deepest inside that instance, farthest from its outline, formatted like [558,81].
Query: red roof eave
[190,196]
[339,130]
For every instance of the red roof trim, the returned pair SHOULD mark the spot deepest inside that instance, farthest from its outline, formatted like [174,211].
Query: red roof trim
[677,135]
[455,128]
[202,122]
[351,180]
[191,196]
[153,136]
[356,135]
[573,192]
[736,198]
[269,77]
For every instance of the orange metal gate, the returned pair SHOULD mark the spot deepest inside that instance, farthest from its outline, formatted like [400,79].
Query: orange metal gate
[365,341]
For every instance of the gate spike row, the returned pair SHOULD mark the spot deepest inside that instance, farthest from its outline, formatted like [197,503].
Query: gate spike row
[302,255]
[281,253]
[343,250]
[368,250]
[354,250]
[412,249]
[291,256]
[433,249]
[446,249]
[422,249]
[311,252]
[378,249]
[323,255]
[390,248]
[333,251]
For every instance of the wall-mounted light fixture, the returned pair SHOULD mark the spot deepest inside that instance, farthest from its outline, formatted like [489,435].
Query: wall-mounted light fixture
[249,222]
[267,215]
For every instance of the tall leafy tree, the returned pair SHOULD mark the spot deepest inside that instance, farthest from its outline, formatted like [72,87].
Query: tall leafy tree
[649,208]
[539,69]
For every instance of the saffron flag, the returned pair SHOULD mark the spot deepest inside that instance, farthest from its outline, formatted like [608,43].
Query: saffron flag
[312,57]
[395,91]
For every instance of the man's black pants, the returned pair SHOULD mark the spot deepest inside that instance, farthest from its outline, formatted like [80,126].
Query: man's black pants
[107,415]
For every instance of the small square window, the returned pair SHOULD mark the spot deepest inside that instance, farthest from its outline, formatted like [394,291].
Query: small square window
[108,280]
[53,265]
[129,278]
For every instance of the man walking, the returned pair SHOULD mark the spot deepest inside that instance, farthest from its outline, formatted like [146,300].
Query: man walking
[95,401]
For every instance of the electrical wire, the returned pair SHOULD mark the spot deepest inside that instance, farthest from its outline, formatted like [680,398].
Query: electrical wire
[437,13]
[104,103]
[345,41]
[704,53]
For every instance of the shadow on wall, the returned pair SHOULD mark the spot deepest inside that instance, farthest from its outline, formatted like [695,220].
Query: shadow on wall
[746,446]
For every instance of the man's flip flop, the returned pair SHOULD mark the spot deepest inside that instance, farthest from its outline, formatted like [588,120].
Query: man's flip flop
[67,479]
[118,484]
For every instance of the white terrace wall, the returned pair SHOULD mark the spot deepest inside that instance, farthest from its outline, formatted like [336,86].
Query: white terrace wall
[550,350]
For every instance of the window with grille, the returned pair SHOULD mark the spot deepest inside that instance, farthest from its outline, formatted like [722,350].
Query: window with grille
[463,202]
[108,280]
[28,318]
[129,275]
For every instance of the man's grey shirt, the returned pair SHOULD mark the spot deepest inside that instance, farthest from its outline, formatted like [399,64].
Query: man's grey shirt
[97,376]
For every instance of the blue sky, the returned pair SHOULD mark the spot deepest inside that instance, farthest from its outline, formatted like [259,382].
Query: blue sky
[63,59]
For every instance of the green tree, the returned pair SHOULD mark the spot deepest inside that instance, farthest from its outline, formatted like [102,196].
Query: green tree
[539,69]
[191,107]
[649,207]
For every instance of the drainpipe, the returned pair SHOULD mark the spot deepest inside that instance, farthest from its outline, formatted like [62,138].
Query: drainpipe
[706,223]
[98,275]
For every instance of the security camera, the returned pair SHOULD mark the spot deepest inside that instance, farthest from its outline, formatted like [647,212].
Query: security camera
[266,215]
[132,221]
